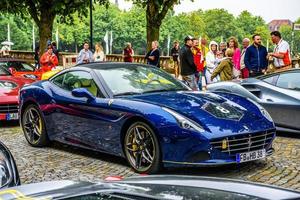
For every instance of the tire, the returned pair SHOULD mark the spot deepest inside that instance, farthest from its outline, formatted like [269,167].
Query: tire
[33,125]
[142,149]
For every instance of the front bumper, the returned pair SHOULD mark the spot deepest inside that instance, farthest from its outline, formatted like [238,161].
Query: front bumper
[219,151]
[210,162]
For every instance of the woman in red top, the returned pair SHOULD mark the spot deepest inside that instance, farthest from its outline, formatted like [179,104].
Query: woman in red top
[48,60]
[198,60]
[128,53]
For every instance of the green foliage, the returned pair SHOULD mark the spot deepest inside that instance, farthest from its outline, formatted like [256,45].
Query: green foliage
[130,26]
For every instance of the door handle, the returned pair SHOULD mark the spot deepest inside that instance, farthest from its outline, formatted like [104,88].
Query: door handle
[269,100]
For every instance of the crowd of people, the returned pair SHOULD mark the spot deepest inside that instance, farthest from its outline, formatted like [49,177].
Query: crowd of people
[196,63]
[200,65]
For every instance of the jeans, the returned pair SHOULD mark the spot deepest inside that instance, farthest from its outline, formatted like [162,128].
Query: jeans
[191,81]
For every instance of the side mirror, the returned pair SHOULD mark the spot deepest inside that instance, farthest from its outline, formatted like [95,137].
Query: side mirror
[12,70]
[83,92]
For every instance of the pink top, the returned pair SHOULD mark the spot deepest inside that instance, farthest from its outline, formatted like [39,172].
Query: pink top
[236,58]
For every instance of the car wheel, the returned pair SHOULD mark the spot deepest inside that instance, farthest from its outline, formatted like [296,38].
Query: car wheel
[142,148]
[33,126]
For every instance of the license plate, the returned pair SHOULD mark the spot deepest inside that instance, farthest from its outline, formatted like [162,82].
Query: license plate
[252,155]
[12,116]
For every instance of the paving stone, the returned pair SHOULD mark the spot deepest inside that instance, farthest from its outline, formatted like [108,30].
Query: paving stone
[61,161]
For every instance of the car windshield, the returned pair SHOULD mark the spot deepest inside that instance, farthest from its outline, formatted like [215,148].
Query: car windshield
[138,79]
[20,66]
[3,71]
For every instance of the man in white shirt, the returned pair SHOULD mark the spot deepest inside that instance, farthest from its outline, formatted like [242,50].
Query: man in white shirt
[281,54]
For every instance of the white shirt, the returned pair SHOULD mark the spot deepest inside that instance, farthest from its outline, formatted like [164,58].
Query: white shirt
[283,48]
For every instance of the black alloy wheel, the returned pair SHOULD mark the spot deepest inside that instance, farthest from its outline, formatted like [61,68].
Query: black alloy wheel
[142,148]
[33,126]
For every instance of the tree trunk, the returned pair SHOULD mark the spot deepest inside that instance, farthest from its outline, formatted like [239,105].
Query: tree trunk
[153,23]
[152,34]
[45,29]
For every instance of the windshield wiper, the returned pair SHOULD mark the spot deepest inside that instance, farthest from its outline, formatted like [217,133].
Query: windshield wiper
[127,93]
[165,90]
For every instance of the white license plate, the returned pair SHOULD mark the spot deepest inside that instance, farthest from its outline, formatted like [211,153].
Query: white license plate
[12,116]
[252,155]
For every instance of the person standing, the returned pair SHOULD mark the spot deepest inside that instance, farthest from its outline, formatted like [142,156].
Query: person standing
[224,69]
[128,53]
[233,44]
[55,50]
[175,56]
[85,55]
[200,79]
[152,56]
[99,55]
[223,47]
[211,61]
[281,55]
[37,57]
[187,64]
[48,60]
[244,70]
[256,57]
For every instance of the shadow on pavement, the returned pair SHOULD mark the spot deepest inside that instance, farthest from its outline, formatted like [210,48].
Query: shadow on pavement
[90,153]
[7,124]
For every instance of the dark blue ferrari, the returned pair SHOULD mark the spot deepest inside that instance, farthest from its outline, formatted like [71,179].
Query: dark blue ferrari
[145,115]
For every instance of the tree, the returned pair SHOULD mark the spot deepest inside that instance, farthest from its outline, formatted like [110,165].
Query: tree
[156,11]
[219,24]
[43,12]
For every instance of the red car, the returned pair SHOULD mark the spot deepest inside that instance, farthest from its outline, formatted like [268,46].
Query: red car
[9,94]
[20,68]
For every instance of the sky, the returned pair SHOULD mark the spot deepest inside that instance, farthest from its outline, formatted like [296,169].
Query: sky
[267,9]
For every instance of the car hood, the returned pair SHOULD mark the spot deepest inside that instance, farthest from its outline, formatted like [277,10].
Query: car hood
[227,115]
[11,95]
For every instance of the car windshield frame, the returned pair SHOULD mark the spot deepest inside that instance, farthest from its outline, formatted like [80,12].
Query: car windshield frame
[8,63]
[137,79]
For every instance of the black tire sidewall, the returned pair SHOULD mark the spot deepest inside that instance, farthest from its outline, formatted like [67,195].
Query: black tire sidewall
[156,165]
[43,140]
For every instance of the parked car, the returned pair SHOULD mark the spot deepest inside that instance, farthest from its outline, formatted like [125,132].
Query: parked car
[150,187]
[145,115]
[20,68]
[278,93]
[9,176]
[9,94]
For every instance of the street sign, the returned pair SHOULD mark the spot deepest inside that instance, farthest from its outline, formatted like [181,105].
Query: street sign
[297,27]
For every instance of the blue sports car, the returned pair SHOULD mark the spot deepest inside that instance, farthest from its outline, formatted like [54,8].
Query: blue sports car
[145,115]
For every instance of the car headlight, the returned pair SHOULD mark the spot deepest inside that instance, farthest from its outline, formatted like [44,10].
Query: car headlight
[8,171]
[184,122]
[8,84]
[263,111]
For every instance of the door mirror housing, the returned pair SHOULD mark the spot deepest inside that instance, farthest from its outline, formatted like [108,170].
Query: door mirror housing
[83,92]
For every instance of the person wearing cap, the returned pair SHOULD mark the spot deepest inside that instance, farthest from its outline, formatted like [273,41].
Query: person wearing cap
[188,67]
[48,61]
[281,55]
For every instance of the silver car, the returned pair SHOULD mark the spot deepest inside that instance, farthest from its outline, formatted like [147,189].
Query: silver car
[278,93]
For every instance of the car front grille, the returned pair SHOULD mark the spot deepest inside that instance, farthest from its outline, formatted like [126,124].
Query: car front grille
[9,108]
[243,143]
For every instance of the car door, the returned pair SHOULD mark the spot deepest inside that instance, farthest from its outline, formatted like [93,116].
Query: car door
[282,101]
[77,120]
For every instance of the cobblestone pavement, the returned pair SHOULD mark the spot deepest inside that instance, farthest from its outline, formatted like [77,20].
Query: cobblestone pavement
[60,161]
